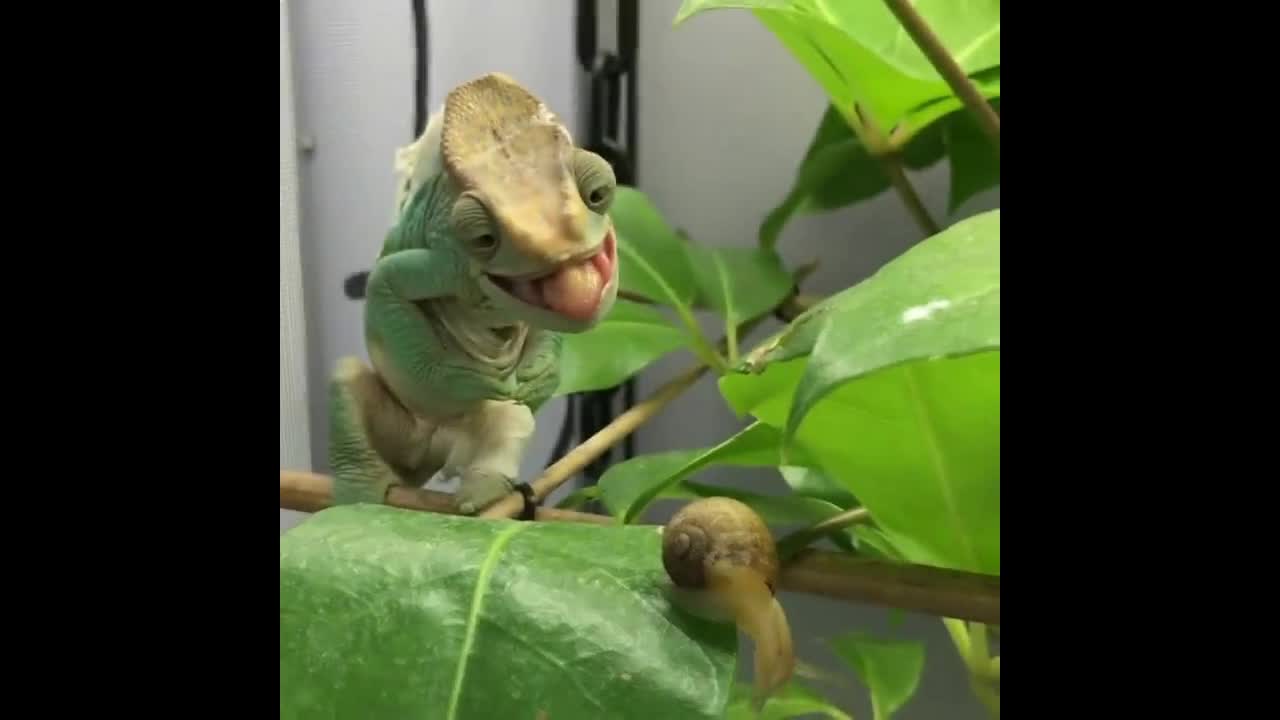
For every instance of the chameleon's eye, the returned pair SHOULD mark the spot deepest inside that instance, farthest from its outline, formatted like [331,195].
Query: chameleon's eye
[473,227]
[596,181]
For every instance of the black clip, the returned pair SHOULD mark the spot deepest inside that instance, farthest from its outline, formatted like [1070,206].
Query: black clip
[530,509]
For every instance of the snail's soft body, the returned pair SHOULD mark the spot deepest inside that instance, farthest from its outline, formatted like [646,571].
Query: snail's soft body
[723,562]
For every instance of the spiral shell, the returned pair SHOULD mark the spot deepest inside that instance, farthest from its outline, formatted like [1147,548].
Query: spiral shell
[717,531]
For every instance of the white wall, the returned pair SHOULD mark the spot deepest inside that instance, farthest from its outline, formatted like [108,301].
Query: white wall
[295,437]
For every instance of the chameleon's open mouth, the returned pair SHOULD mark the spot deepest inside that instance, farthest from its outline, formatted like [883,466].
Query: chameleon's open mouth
[574,289]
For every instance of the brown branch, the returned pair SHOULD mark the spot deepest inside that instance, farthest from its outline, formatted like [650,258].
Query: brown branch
[852,578]
[593,447]
[310,492]
[947,67]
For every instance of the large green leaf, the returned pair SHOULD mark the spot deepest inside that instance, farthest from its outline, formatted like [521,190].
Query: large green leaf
[889,668]
[651,258]
[389,613]
[917,444]
[893,386]
[793,700]
[859,54]
[628,487]
[939,299]
[838,171]
[627,340]
[738,283]
[659,264]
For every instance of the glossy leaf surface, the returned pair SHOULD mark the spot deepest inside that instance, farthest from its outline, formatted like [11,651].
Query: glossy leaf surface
[893,386]
[396,613]
[860,55]
[889,668]
[793,700]
[628,487]
[837,171]
[651,256]
[630,338]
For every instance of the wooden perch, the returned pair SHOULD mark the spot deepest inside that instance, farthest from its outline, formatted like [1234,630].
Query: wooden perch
[853,578]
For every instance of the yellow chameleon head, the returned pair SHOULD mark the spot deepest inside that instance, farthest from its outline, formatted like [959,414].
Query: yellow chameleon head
[532,210]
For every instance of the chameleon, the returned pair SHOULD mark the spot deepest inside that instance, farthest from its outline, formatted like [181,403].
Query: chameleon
[501,243]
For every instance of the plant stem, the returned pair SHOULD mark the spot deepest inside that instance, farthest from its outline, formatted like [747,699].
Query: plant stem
[892,163]
[798,540]
[593,447]
[838,575]
[971,642]
[947,67]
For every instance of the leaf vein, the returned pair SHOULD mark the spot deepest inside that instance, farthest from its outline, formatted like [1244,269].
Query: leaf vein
[941,471]
[473,617]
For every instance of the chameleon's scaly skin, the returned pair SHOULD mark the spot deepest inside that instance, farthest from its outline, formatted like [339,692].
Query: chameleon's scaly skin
[502,242]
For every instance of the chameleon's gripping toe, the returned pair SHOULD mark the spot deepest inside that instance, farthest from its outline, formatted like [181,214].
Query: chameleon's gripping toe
[480,489]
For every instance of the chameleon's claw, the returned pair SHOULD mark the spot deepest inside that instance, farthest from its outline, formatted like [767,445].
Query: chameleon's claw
[480,489]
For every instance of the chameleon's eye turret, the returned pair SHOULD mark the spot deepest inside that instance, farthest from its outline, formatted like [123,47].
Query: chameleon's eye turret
[596,181]
[473,227]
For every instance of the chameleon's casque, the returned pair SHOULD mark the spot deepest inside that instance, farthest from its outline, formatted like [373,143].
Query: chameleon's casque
[502,240]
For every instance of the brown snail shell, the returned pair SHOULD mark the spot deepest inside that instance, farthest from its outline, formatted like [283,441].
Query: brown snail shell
[721,556]
[717,532]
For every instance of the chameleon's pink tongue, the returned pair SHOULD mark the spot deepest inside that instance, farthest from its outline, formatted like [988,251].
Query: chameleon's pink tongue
[574,290]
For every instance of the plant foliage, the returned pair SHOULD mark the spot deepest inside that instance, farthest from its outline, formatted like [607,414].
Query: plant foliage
[884,396]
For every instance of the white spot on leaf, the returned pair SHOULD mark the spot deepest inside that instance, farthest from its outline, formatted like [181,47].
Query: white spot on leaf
[924,312]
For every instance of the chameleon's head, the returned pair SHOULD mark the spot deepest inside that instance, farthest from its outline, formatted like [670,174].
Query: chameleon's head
[532,210]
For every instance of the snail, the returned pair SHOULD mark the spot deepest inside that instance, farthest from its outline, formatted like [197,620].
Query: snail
[723,564]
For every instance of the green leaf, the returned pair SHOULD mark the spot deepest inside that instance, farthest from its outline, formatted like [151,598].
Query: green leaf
[394,613]
[808,482]
[790,701]
[917,444]
[889,668]
[860,55]
[838,171]
[628,487]
[652,261]
[738,283]
[773,509]
[975,162]
[939,299]
[898,399]
[578,498]
[630,338]
[872,541]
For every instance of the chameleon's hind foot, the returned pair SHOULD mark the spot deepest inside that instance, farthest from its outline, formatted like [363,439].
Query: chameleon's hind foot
[480,489]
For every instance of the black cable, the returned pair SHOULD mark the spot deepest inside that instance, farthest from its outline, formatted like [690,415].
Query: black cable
[419,67]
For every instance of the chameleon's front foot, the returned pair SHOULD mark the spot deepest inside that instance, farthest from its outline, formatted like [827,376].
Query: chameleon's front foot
[481,488]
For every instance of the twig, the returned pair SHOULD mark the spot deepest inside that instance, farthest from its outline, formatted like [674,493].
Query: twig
[947,67]
[798,540]
[310,492]
[593,447]
[915,588]
[892,163]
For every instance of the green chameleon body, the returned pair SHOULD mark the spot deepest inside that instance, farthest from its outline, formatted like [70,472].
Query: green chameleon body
[502,242]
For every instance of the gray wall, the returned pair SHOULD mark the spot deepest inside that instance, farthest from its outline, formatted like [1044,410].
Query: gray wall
[725,115]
